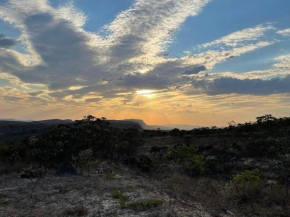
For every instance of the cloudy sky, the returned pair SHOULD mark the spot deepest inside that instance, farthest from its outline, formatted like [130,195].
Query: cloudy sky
[198,62]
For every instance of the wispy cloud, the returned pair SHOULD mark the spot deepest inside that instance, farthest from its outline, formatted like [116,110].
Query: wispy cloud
[285,32]
[241,38]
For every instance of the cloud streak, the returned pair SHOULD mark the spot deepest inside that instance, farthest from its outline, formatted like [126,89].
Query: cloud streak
[228,85]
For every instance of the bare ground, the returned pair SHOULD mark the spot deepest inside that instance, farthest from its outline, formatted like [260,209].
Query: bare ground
[89,196]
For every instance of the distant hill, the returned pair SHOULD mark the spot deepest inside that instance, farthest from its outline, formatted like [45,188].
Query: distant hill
[140,122]
[22,127]
[12,129]
[126,124]
[162,127]
[55,121]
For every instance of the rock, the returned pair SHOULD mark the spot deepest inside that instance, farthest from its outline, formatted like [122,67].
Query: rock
[66,169]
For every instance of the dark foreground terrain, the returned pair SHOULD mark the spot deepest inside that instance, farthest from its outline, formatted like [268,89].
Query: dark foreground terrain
[91,168]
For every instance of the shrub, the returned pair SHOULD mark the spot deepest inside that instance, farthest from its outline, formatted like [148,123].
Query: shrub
[195,165]
[123,199]
[181,153]
[47,148]
[192,163]
[34,175]
[247,185]
[144,163]
[84,161]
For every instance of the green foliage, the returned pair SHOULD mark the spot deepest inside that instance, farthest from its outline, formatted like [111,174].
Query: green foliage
[84,161]
[187,156]
[4,202]
[111,176]
[181,153]
[143,205]
[123,199]
[247,185]
[195,165]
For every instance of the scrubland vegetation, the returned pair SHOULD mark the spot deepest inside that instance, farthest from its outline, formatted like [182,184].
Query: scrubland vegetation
[240,170]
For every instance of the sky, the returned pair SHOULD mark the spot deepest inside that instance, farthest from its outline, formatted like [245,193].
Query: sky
[194,62]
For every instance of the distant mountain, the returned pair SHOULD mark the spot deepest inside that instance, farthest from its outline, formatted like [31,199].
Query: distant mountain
[55,121]
[12,119]
[12,126]
[181,127]
[162,127]
[126,124]
[140,122]
[8,119]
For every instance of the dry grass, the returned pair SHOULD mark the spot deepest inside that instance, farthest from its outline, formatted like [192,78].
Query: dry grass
[219,196]
[210,192]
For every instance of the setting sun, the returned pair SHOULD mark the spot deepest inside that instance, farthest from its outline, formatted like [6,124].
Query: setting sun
[146,93]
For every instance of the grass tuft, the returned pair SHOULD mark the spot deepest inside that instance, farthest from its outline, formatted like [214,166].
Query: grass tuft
[144,204]
[123,199]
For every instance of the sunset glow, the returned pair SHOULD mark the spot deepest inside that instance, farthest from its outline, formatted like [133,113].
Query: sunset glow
[174,61]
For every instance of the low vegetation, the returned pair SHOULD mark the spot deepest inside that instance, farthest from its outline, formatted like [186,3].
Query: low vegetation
[241,169]
[144,204]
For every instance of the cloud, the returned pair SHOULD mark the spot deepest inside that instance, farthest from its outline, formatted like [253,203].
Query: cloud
[195,70]
[6,42]
[62,54]
[78,66]
[63,49]
[240,38]
[150,26]
[228,85]
[144,81]
[283,62]
[280,68]
[93,100]
[285,32]
[71,13]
